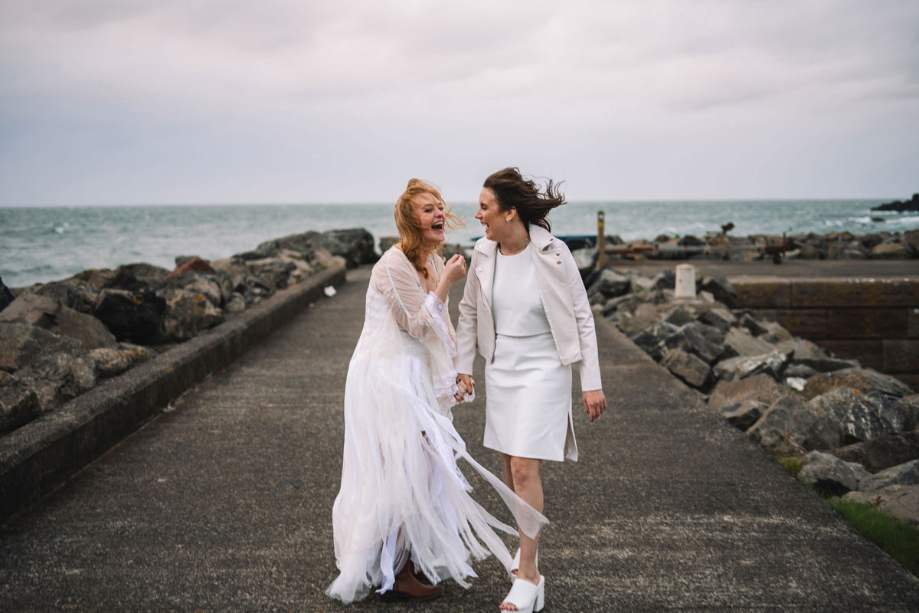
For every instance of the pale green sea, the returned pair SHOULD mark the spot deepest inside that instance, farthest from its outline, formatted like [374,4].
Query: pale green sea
[39,244]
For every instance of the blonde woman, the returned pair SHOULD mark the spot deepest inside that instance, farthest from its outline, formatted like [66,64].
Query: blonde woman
[404,510]
[526,311]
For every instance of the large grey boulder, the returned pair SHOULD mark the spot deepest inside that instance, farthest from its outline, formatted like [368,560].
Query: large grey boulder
[742,343]
[830,474]
[883,452]
[22,344]
[608,283]
[680,316]
[802,349]
[303,266]
[44,312]
[234,269]
[304,244]
[665,279]
[18,404]
[272,272]
[902,474]
[208,285]
[622,304]
[6,295]
[753,325]
[57,378]
[112,361]
[78,292]
[911,240]
[772,364]
[644,317]
[758,387]
[32,310]
[786,419]
[718,317]
[899,501]
[890,250]
[649,340]
[698,339]
[355,245]
[775,333]
[859,416]
[131,316]
[722,290]
[187,315]
[686,366]
[861,379]
[138,277]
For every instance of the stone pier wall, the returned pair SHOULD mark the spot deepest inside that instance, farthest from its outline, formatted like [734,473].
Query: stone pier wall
[873,320]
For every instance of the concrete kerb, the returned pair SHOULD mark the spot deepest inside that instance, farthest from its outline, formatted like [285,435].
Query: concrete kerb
[39,456]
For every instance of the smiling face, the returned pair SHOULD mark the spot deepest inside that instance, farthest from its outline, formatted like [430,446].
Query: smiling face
[490,215]
[430,214]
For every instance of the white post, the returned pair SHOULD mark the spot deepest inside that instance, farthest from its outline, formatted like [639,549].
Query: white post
[685,281]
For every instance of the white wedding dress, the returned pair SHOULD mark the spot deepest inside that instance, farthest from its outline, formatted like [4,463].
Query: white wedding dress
[402,493]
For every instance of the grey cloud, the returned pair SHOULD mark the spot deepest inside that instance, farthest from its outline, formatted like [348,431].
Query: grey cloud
[560,84]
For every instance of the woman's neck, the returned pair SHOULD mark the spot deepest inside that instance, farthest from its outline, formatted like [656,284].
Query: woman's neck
[516,241]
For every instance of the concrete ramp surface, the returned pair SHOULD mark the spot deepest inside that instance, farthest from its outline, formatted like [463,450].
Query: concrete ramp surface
[223,503]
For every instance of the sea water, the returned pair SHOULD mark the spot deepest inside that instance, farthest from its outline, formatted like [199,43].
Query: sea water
[40,244]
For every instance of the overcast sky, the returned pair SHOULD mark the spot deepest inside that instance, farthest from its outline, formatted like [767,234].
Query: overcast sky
[241,101]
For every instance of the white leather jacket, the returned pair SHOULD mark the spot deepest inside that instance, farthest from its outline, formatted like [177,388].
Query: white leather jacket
[563,297]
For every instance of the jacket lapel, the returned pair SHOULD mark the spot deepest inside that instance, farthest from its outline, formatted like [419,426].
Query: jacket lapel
[485,268]
[547,259]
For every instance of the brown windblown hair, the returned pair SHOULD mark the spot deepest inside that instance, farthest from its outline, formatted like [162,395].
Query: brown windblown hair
[512,191]
[410,237]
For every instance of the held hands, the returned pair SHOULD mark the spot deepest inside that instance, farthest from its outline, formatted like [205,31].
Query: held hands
[594,402]
[465,385]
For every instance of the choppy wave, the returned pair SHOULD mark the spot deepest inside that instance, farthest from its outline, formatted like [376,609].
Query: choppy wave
[43,244]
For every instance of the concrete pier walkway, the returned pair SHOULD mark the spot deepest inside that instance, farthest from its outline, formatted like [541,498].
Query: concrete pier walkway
[224,502]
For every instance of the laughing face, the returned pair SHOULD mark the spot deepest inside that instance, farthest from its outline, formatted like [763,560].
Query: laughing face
[430,212]
[490,215]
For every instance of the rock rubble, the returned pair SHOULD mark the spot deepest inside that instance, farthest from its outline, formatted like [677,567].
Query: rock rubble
[855,429]
[58,339]
[879,245]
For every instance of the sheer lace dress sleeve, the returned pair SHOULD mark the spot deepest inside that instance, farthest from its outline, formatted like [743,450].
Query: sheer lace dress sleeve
[414,311]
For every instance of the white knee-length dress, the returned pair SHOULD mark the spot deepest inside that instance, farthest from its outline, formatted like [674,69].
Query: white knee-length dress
[527,388]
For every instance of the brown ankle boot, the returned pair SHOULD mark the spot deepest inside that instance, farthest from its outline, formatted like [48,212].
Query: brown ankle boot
[407,586]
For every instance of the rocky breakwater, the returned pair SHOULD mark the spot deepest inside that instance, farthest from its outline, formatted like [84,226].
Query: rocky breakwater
[882,245]
[59,339]
[900,206]
[854,429]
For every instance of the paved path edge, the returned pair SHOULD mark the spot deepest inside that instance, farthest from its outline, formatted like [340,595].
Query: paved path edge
[41,455]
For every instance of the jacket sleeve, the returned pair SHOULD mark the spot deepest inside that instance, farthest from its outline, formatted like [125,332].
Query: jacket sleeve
[589,366]
[466,328]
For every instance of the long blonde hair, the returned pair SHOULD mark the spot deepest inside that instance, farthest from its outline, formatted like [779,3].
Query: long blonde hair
[407,223]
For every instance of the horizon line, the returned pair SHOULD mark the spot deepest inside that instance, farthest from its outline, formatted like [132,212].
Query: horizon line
[381,203]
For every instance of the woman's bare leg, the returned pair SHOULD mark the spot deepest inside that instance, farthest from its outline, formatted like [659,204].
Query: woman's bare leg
[508,475]
[527,485]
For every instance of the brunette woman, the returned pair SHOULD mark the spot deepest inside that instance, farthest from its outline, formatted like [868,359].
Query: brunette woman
[526,311]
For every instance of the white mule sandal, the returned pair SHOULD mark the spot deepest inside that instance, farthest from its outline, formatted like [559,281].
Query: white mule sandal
[515,565]
[527,597]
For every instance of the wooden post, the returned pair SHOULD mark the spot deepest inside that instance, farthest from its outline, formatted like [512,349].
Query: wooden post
[601,241]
